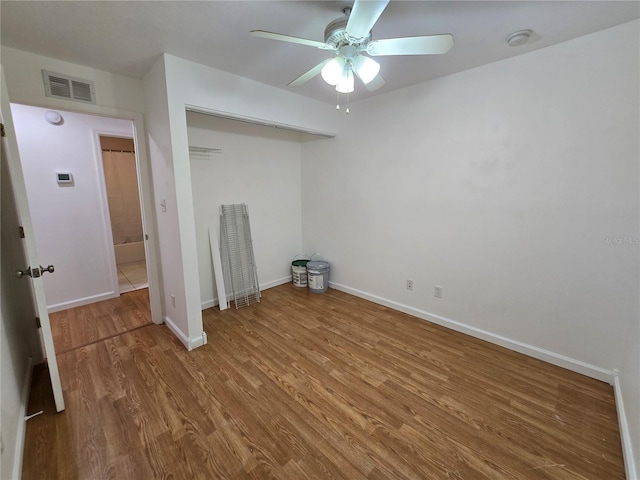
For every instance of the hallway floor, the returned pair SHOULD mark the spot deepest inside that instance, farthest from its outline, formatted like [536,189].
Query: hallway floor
[132,276]
[81,326]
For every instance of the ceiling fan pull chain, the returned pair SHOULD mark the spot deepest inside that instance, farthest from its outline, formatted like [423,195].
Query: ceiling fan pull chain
[346,102]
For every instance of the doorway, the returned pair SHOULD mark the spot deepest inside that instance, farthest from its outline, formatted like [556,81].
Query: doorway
[121,182]
[67,194]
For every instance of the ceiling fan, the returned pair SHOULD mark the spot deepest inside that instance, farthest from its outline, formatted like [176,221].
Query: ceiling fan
[349,38]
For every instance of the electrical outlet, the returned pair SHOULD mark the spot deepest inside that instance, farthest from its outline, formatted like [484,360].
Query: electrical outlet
[437,291]
[409,284]
[173,301]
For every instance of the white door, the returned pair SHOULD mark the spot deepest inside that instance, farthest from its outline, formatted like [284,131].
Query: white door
[29,283]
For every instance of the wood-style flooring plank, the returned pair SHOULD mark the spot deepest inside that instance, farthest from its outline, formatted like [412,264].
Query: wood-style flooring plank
[81,326]
[308,386]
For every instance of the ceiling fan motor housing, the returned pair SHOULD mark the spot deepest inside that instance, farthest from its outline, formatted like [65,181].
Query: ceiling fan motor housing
[335,34]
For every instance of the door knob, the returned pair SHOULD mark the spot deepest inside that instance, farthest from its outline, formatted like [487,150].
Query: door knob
[35,272]
[49,269]
[22,273]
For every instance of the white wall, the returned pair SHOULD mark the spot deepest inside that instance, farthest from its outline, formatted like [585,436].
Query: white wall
[259,166]
[24,78]
[70,222]
[164,186]
[509,185]
[171,85]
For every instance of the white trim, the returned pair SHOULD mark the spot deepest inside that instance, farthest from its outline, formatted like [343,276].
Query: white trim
[275,283]
[264,286]
[515,345]
[177,332]
[147,201]
[189,343]
[82,301]
[22,422]
[209,304]
[625,434]
[198,341]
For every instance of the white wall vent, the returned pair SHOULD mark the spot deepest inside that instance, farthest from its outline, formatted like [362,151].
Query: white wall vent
[58,85]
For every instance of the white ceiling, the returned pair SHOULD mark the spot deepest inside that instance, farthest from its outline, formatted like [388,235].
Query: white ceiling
[126,37]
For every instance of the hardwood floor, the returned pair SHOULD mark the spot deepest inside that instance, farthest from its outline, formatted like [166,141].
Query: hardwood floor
[81,326]
[308,386]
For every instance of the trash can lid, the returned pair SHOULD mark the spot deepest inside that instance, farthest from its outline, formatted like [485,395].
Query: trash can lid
[318,265]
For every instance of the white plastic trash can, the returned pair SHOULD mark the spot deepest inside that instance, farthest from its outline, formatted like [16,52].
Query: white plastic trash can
[318,276]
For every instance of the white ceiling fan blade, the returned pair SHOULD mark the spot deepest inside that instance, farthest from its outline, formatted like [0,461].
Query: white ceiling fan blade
[290,39]
[375,84]
[364,15]
[425,45]
[305,77]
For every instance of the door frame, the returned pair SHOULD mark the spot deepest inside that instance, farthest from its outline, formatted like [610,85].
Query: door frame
[143,166]
[104,200]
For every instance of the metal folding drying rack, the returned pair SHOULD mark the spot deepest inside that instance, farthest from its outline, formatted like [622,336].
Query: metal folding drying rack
[238,262]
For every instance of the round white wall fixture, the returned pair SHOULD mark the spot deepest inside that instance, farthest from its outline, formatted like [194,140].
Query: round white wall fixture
[54,118]
[519,38]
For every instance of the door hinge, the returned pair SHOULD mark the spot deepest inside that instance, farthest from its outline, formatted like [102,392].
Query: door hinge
[2,130]
[21,230]
[38,324]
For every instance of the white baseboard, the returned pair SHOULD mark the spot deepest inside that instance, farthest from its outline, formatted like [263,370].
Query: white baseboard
[82,301]
[263,286]
[22,423]
[209,304]
[198,341]
[189,343]
[625,434]
[275,283]
[515,345]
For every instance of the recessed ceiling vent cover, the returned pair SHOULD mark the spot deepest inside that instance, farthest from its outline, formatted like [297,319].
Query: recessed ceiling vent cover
[58,85]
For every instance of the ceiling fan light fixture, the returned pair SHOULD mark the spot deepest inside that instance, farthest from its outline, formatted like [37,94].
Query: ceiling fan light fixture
[332,72]
[346,84]
[366,68]
[349,38]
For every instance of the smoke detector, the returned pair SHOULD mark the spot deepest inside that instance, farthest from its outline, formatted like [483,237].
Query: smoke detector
[519,38]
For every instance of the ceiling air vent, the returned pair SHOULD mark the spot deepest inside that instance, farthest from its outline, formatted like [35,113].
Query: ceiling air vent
[63,86]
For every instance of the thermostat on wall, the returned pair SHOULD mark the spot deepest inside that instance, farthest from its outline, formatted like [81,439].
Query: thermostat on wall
[64,177]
